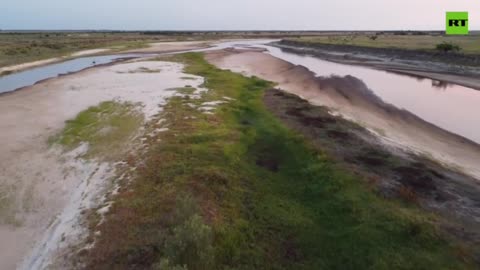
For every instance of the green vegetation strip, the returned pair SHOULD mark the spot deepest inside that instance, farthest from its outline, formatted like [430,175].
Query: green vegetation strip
[238,190]
[106,128]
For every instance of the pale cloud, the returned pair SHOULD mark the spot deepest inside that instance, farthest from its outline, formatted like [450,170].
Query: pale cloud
[233,14]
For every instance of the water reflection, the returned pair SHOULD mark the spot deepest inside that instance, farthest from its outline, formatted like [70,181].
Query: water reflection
[441,84]
[456,109]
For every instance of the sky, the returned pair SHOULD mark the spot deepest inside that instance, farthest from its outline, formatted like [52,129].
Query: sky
[233,14]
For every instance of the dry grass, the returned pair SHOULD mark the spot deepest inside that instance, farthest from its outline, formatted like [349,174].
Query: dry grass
[468,44]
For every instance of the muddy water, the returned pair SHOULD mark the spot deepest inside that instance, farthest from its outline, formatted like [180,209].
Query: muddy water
[28,77]
[452,107]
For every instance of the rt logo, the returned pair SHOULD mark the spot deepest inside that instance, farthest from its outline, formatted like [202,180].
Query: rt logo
[457,23]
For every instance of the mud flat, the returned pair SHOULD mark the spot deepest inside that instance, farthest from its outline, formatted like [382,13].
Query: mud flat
[45,188]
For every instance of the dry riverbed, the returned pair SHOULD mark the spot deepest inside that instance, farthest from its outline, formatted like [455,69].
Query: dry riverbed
[49,177]
[72,141]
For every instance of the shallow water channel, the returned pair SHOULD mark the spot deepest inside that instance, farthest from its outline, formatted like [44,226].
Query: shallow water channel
[31,76]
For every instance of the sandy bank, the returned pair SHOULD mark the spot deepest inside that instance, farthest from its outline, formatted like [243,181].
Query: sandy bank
[164,47]
[350,97]
[20,67]
[44,190]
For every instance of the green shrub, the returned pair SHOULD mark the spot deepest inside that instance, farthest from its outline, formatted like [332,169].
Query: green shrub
[447,47]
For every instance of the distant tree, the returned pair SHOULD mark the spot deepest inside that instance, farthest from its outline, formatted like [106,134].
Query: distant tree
[447,47]
[373,37]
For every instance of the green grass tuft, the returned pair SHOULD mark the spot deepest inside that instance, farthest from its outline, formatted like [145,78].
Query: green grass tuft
[105,128]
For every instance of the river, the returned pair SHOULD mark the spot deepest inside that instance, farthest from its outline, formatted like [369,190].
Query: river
[452,107]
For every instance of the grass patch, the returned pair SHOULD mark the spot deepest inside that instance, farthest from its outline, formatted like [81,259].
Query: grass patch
[105,128]
[6,72]
[238,190]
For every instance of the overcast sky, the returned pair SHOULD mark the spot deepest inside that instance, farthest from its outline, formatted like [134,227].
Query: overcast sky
[233,14]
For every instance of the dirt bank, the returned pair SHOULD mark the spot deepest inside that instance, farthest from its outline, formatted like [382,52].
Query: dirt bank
[351,98]
[452,68]
[44,190]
